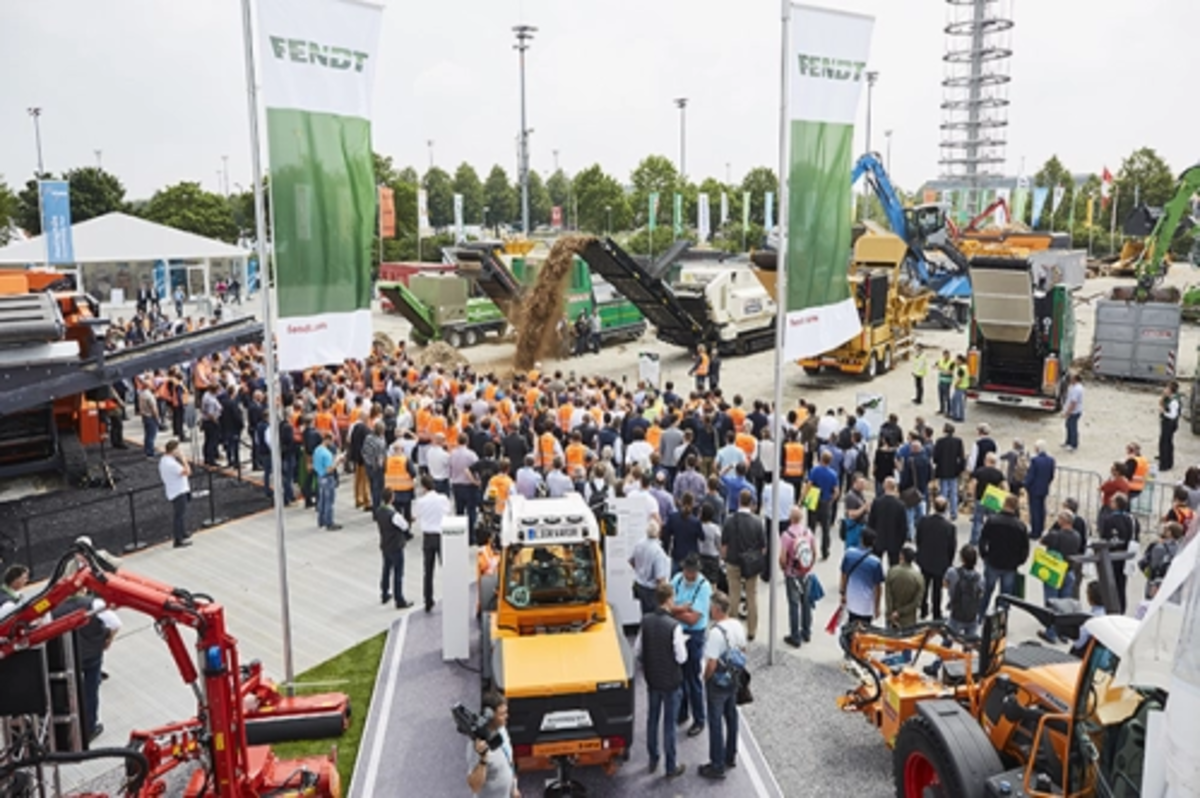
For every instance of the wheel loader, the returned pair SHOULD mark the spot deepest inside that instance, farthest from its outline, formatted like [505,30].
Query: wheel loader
[1019,721]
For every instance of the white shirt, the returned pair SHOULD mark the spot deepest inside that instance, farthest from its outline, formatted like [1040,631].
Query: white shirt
[648,501]
[430,511]
[558,484]
[175,482]
[438,461]
[1075,398]
[828,425]
[639,454]
[714,644]
[787,497]
[649,562]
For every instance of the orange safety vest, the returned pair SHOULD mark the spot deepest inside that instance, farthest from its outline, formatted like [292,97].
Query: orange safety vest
[546,450]
[437,424]
[423,417]
[531,397]
[504,411]
[793,459]
[738,416]
[396,475]
[564,416]
[1138,481]
[499,487]
[324,421]
[576,454]
[745,441]
[377,384]
[702,366]
[489,392]
[653,436]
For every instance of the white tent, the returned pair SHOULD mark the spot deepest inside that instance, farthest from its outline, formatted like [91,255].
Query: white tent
[117,252]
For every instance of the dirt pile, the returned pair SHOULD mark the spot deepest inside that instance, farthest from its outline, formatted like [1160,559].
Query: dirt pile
[1129,293]
[440,353]
[543,307]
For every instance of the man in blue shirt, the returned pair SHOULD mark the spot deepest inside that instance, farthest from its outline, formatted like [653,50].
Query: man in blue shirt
[862,580]
[734,483]
[825,479]
[692,595]
[325,466]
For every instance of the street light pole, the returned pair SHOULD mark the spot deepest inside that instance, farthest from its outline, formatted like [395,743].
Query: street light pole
[99,158]
[871,78]
[555,160]
[681,103]
[429,144]
[225,174]
[887,134]
[608,224]
[524,36]
[36,113]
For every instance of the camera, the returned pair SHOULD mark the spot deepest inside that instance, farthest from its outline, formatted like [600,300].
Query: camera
[476,725]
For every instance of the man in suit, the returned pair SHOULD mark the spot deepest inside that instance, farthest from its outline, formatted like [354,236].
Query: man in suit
[949,459]
[1037,486]
[889,518]
[936,539]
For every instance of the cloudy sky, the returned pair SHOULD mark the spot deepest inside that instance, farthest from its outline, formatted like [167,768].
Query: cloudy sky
[158,85]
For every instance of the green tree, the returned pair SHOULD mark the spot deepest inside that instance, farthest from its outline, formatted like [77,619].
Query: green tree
[94,192]
[410,176]
[639,242]
[187,206]
[8,211]
[539,200]
[656,173]
[758,182]
[467,183]
[1051,175]
[558,186]
[597,193]
[440,192]
[385,169]
[1143,174]
[503,202]
[242,204]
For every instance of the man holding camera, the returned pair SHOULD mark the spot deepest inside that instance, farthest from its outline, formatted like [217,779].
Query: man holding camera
[174,471]
[492,773]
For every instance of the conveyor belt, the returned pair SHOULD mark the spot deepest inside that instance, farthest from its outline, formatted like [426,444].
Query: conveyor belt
[479,262]
[653,297]
[30,318]
[410,307]
[33,384]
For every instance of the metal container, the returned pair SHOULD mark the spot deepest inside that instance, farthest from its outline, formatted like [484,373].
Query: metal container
[445,293]
[1135,340]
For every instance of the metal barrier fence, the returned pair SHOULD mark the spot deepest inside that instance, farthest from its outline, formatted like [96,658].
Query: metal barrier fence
[122,521]
[1152,504]
[1080,485]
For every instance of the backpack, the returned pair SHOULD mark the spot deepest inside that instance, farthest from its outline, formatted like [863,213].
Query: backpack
[966,596]
[803,555]
[1158,559]
[862,463]
[1020,469]
[731,665]
[845,439]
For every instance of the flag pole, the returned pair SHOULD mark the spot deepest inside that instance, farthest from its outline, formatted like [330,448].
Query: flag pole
[781,275]
[260,227]
[1112,225]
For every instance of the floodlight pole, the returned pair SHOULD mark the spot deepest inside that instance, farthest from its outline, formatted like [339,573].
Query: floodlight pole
[524,36]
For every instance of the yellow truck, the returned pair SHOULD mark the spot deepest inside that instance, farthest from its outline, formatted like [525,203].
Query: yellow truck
[553,646]
[889,308]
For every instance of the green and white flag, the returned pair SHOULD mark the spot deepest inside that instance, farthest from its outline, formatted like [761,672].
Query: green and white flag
[828,54]
[318,60]
[745,209]
[703,222]
[677,215]
[652,223]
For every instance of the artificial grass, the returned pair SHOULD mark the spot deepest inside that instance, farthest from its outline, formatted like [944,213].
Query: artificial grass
[352,672]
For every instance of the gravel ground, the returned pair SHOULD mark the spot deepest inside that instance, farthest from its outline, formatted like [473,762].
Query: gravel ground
[57,517]
[813,747]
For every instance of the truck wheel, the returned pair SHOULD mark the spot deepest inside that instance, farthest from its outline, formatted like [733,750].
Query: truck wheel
[74,458]
[887,362]
[872,370]
[936,759]
[471,338]
[455,339]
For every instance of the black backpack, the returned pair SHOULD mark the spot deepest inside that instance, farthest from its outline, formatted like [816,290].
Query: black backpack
[966,596]
[862,463]
[845,439]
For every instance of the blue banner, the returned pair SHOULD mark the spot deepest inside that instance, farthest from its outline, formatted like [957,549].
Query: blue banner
[160,279]
[769,212]
[55,199]
[1040,195]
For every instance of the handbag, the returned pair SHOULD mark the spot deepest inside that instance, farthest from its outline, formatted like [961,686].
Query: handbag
[1049,567]
[744,696]
[752,563]
[816,591]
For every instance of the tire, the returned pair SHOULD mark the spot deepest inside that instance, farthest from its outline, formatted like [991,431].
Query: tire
[74,458]
[943,756]
[470,338]
[812,371]
[887,361]
[872,370]
[455,339]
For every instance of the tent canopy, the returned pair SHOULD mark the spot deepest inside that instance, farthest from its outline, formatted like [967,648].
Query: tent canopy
[118,237]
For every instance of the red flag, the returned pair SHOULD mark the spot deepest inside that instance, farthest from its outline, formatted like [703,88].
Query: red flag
[835,620]
[1106,181]
[387,213]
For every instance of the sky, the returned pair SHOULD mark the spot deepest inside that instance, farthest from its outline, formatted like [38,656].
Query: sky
[158,86]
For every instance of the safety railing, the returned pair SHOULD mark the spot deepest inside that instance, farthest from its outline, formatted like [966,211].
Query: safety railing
[1078,484]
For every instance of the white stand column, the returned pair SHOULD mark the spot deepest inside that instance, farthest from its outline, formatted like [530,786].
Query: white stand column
[457,575]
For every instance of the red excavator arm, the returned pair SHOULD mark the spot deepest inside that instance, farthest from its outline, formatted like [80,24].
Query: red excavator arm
[986,213]
[237,706]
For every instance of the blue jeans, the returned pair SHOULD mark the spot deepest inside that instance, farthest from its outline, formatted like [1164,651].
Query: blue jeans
[1037,516]
[799,608]
[949,489]
[944,398]
[92,674]
[663,706]
[1008,584]
[722,727]
[466,502]
[392,580]
[958,405]
[326,493]
[375,483]
[693,688]
[979,517]
[1066,591]
[1073,430]
[149,432]
[915,513]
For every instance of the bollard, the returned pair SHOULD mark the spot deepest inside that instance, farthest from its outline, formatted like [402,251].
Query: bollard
[28,546]
[212,519]
[135,544]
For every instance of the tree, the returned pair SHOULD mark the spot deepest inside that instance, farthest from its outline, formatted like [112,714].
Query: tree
[539,200]
[758,182]
[639,242]
[1147,177]
[410,176]
[94,192]
[467,183]
[242,204]
[187,206]
[8,211]
[656,173]
[558,186]
[1053,174]
[502,201]
[441,197]
[385,170]
[597,193]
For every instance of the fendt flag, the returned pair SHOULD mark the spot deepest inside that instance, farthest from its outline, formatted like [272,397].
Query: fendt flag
[828,69]
[318,60]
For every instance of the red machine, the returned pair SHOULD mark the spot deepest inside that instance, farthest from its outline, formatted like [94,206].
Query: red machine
[238,709]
